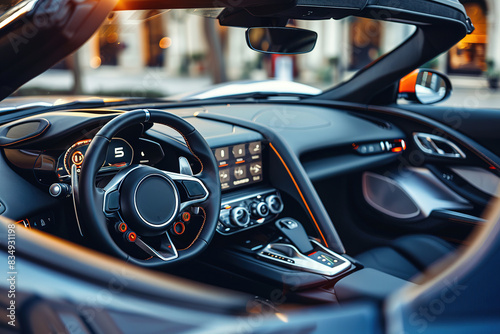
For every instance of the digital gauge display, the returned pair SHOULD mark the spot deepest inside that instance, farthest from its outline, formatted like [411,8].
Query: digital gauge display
[120,154]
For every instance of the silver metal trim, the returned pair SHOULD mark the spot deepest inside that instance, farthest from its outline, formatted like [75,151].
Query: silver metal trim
[176,211]
[370,201]
[113,185]
[432,139]
[74,189]
[184,166]
[304,262]
[153,252]
[182,177]
[258,209]
[57,188]
[424,189]
[268,201]
[233,216]
[148,115]
[231,200]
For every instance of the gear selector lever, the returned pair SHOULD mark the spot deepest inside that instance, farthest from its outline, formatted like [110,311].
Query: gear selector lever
[295,232]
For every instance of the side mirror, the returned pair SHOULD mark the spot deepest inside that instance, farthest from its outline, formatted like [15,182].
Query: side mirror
[425,86]
[281,40]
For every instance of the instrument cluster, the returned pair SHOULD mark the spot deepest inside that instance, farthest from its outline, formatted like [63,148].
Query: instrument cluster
[120,155]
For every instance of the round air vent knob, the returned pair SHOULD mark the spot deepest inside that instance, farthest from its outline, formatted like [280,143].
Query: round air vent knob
[274,203]
[240,216]
[260,209]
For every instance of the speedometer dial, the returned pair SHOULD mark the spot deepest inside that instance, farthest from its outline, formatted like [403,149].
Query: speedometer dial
[120,154]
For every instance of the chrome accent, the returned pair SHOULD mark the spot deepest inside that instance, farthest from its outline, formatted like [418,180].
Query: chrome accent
[22,8]
[174,214]
[148,115]
[55,190]
[258,209]
[237,213]
[182,177]
[74,188]
[113,185]
[421,138]
[235,200]
[153,252]
[422,187]
[302,261]
[479,178]
[269,201]
[184,166]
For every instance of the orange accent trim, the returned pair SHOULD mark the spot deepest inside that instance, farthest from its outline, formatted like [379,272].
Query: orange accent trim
[224,165]
[183,228]
[123,227]
[300,193]
[408,83]
[240,162]
[34,136]
[132,236]
[189,147]
[199,232]
[186,216]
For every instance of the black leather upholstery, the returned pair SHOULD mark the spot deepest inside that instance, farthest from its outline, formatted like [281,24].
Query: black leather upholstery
[407,256]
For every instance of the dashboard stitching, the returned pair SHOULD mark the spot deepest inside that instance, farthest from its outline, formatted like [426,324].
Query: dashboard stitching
[189,147]
[300,193]
[199,232]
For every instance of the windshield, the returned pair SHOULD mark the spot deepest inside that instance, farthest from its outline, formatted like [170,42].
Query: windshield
[164,53]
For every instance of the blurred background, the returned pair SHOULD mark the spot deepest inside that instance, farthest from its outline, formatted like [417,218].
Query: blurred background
[163,53]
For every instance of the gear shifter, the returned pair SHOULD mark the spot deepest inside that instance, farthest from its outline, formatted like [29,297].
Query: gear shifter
[294,231]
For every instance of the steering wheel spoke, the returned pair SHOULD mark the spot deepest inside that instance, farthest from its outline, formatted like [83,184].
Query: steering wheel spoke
[166,252]
[193,190]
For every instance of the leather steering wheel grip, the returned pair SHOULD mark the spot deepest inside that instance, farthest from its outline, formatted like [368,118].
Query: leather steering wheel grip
[89,199]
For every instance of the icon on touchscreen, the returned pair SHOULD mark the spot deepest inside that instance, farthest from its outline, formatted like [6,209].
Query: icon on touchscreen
[221,153]
[239,151]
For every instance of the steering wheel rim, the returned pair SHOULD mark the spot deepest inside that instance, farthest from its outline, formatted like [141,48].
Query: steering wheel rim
[89,199]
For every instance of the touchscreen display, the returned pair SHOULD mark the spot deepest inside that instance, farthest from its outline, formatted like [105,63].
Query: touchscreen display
[239,164]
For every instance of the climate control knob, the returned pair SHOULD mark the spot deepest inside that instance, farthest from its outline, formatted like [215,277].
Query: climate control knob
[274,203]
[240,216]
[260,209]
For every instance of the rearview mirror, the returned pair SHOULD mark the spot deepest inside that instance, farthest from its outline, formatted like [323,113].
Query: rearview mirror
[281,40]
[425,86]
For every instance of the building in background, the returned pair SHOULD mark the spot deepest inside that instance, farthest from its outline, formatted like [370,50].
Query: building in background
[156,41]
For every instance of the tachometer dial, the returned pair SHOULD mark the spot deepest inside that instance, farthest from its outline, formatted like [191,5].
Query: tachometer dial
[120,154]
[75,155]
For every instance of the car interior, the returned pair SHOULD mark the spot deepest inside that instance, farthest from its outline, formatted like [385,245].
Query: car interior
[340,197]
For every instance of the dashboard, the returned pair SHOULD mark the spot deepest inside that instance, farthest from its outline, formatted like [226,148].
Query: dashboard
[256,188]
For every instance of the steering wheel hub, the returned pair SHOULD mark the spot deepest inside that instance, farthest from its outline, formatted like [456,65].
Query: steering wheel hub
[149,201]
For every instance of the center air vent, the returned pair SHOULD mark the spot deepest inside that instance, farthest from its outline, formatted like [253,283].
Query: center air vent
[438,146]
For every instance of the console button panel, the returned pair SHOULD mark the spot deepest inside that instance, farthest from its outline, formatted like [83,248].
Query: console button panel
[239,213]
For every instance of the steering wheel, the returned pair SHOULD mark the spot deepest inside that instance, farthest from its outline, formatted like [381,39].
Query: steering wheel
[143,201]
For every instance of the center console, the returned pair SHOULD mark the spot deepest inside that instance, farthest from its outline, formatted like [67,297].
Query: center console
[256,240]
